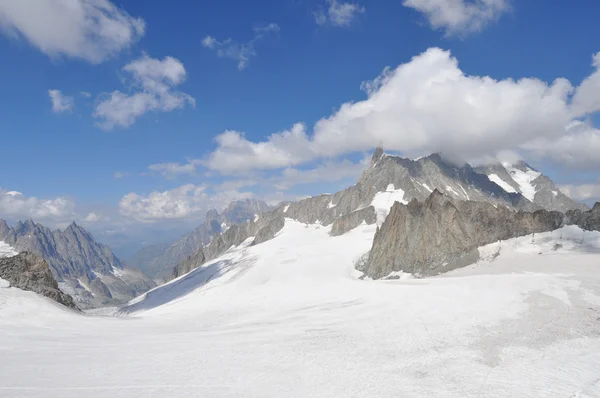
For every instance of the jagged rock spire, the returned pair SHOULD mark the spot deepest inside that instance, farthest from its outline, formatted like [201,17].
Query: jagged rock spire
[378,154]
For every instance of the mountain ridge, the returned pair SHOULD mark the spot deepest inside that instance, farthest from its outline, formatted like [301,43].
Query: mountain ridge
[390,179]
[84,268]
[157,261]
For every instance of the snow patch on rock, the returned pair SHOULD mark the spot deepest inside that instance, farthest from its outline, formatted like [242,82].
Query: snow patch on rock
[503,184]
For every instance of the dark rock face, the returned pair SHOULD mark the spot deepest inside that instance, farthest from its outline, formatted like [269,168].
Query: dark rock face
[352,220]
[439,235]
[269,231]
[588,220]
[28,271]
[190,264]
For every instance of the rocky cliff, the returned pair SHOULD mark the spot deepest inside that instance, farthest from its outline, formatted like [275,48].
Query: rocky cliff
[28,271]
[588,220]
[83,268]
[441,234]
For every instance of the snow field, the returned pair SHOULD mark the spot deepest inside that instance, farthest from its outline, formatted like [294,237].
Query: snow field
[290,317]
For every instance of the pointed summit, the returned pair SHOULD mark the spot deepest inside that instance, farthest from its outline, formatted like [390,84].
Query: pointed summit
[377,155]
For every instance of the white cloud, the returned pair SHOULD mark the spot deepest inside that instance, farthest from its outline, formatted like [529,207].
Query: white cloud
[578,148]
[16,205]
[155,82]
[425,105]
[586,100]
[93,30]
[85,94]
[184,202]
[236,154]
[459,17]
[240,52]
[172,170]
[329,171]
[582,192]
[60,102]
[338,13]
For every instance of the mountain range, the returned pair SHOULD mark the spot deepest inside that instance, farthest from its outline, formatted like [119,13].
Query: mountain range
[85,269]
[390,179]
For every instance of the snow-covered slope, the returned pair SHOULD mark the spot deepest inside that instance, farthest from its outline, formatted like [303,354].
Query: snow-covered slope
[289,317]
[6,250]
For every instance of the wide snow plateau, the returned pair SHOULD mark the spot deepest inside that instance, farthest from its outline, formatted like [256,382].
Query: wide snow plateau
[291,318]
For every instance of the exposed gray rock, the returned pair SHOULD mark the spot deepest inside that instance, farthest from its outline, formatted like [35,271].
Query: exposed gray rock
[438,235]
[588,220]
[269,231]
[190,264]
[157,261]
[76,259]
[352,220]
[28,271]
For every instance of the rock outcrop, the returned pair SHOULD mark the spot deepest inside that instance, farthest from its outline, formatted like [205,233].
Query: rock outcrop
[83,268]
[439,234]
[352,220]
[588,220]
[191,263]
[28,271]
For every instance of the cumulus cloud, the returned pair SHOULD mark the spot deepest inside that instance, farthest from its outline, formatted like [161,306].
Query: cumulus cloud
[60,102]
[459,17]
[578,148]
[18,206]
[185,202]
[154,82]
[338,13]
[586,100]
[426,105]
[236,154]
[93,30]
[240,52]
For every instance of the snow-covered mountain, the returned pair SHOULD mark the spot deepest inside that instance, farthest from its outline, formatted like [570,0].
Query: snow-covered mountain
[533,185]
[85,269]
[391,179]
[157,261]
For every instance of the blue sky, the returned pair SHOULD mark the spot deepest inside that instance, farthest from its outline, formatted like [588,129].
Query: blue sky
[302,60]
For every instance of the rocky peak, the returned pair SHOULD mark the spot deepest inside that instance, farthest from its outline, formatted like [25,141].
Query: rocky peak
[377,155]
[211,215]
[596,208]
[436,199]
